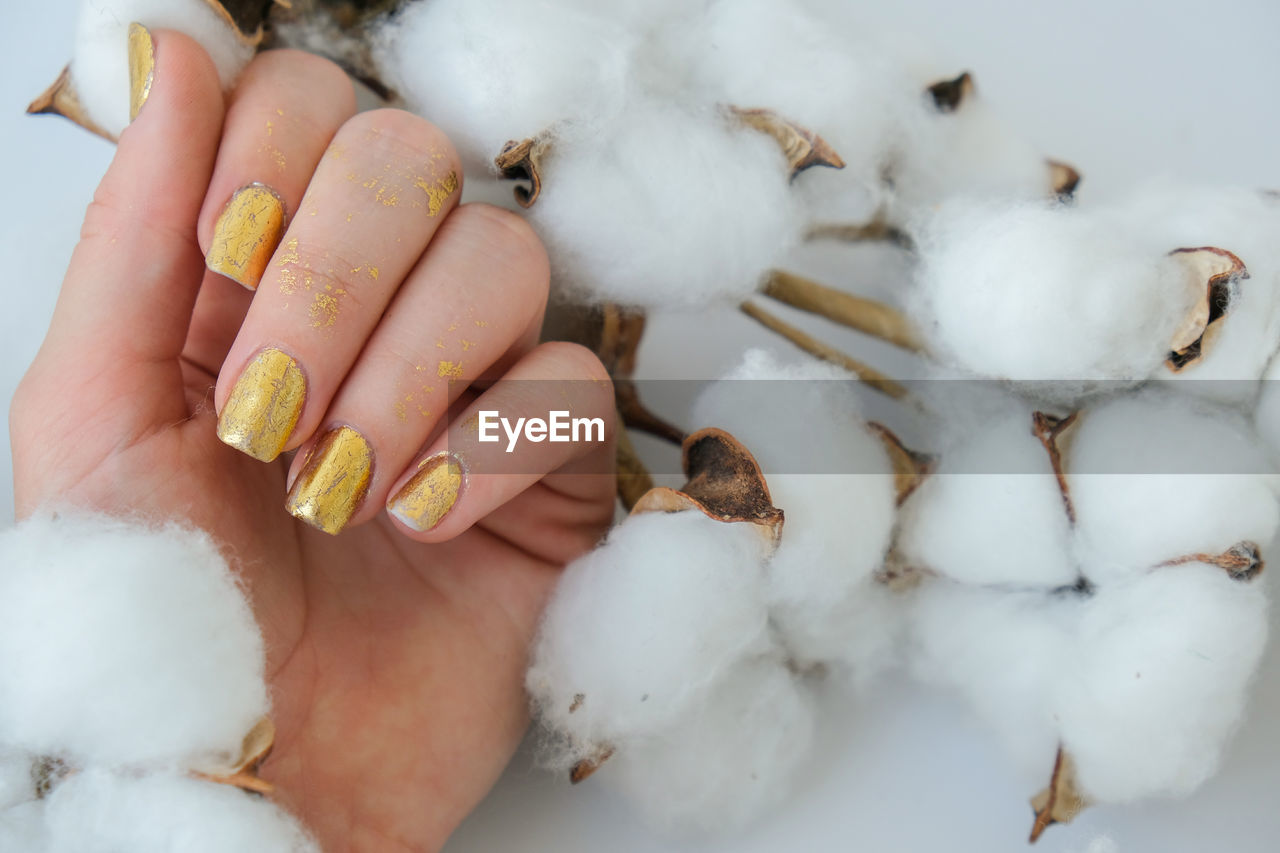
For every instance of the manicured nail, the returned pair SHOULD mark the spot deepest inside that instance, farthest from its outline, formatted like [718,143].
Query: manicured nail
[427,498]
[246,235]
[142,67]
[264,405]
[333,482]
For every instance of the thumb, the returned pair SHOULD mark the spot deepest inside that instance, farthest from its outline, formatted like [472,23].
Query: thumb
[126,301]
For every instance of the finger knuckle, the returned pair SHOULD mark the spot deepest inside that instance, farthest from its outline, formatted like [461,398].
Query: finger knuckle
[575,361]
[402,134]
[507,239]
[300,71]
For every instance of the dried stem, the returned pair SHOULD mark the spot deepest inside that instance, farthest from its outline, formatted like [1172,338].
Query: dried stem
[826,352]
[620,334]
[875,231]
[865,315]
[633,478]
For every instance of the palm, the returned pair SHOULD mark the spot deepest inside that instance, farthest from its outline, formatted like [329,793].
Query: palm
[395,666]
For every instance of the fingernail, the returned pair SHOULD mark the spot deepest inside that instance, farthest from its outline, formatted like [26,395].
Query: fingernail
[246,235]
[142,67]
[264,405]
[333,482]
[427,498]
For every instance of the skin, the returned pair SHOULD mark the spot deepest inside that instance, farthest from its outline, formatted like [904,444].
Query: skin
[395,657]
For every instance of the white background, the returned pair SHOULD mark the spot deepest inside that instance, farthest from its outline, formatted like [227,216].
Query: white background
[1123,90]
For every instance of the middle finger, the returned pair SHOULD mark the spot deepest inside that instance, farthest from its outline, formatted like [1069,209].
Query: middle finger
[380,192]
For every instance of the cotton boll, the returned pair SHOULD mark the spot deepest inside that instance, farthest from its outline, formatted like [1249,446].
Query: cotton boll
[1036,291]
[1004,652]
[640,629]
[491,71]
[96,811]
[1159,679]
[667,209]
[1244,222]
[731,758]
[124,644]
[1158,477]
[991,512]
[100,69]
[831,477]
[775,54]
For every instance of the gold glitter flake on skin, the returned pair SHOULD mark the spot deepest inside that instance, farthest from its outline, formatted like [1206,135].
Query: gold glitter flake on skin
[432,493]
[264,405]
[324,309]
[333,482]
[142,67]
[449,370]
[276,155]
[246,233]
[289,254]
[438,193]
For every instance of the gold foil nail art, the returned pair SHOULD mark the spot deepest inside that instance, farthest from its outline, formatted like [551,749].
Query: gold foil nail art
[333,482]
[246,234]
[264,405]
[142,67]
[427,498]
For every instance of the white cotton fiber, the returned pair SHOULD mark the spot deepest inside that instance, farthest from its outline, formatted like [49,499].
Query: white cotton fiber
[22,829]
[970,151]
[1244,222]
[16,784]
[991,512]
[640,629]
[124,644]
[729,758]
[1038,291]
[98,811]
[100,69]
[855,636]
[1159,477]
[491,71]
[1158,680]
[833,480]
[1267,414]
[668,208]
[1005,652]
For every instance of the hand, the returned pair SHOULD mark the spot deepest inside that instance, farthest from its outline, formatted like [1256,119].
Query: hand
[395,650]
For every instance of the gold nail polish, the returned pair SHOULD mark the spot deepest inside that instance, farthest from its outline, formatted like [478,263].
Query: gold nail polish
[246,235]
[264,405]
[427,498]
[142,67]
[333,482]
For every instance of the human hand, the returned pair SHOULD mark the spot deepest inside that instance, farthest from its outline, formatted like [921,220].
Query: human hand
[396,650]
